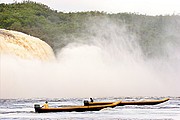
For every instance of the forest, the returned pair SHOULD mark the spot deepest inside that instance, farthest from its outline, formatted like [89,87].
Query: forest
[59,29]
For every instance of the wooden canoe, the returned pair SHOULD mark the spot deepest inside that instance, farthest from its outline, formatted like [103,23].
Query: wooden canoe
[144,102]
[74,108]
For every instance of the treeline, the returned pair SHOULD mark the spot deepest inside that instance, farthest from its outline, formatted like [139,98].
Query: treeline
[58,28]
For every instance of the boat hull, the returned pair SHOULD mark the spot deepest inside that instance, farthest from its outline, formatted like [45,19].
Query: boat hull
[122,103]
[38,109]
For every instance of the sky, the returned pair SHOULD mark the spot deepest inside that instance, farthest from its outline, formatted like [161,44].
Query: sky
[148,7]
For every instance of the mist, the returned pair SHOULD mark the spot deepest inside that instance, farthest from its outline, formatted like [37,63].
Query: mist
[111,63]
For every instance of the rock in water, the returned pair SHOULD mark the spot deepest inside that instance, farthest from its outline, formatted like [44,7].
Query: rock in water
[24,46]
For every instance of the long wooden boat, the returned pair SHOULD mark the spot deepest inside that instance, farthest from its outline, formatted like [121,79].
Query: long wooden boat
[144,102]
[74,108]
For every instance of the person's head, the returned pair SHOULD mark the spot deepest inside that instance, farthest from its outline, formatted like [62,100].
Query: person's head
[46,102]
[91,99]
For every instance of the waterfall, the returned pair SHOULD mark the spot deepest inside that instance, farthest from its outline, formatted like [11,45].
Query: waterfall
[24,46]
[110,63]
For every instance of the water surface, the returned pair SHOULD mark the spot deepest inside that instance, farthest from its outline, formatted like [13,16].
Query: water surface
[23,109]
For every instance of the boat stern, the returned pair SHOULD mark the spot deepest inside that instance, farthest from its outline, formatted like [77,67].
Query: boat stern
[37,107]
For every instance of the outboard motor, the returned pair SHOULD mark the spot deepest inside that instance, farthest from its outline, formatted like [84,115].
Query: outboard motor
[37,107]
[86,102]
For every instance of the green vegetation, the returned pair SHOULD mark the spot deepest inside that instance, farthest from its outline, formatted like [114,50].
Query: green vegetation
[58,28]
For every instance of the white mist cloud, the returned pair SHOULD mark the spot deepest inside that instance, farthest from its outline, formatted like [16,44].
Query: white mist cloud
[111,64]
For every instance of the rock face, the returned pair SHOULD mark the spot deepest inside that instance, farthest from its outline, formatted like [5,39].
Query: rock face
[24,46]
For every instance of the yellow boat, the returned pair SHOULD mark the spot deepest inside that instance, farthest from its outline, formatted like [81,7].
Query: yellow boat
[74,108]
[144,102]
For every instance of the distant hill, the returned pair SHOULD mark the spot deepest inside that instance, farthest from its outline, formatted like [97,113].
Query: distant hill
[58,28]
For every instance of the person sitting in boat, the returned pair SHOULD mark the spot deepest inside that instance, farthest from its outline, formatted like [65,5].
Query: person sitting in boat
[91,100]
[86,102]
[46,105]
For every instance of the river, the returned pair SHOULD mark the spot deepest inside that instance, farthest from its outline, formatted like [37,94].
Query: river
[22,109]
